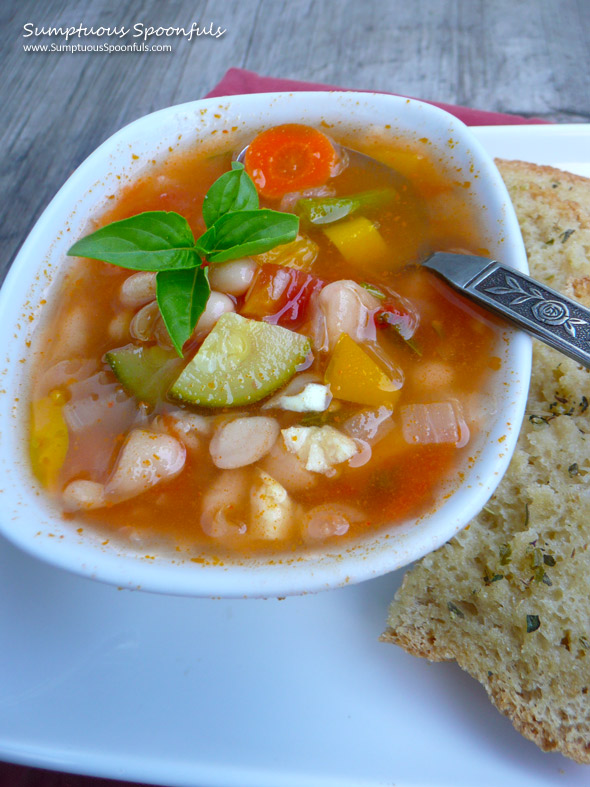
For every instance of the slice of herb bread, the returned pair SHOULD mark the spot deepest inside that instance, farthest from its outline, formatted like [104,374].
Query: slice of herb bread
[509,597]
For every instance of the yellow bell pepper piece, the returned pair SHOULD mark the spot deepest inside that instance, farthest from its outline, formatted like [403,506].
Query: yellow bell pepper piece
[301,253]
[355,377]
[358,240]
[410,163]
[49,438]
[418,169]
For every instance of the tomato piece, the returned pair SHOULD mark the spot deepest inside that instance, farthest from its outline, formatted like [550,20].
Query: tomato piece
[290,157]
[395,315]
[280,295]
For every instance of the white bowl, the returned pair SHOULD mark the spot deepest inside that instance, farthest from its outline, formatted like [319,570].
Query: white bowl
[30,521]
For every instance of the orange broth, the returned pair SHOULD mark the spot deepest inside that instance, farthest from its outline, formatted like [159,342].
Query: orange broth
[401,480]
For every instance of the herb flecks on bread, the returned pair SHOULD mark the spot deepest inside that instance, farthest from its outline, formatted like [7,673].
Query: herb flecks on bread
[509,597]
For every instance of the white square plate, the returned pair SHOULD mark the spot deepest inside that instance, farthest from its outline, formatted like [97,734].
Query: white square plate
[294,693]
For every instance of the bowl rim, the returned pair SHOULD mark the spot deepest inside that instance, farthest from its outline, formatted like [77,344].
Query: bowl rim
[254,578]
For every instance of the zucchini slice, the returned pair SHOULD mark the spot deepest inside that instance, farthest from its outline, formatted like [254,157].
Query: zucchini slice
[145,372]
[241,361]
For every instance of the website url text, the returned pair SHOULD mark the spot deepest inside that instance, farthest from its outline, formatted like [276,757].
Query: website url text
[109,48]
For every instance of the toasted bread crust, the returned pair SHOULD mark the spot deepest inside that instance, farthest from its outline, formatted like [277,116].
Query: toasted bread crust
[508,597]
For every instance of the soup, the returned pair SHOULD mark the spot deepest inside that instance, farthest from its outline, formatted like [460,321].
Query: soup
[330,386]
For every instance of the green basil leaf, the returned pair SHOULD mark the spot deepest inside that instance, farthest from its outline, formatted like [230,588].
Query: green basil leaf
[206,243]
[182,296]
[233,191]
[152,241]
[247,232]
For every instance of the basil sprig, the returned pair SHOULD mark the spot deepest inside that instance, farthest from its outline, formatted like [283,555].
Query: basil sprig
[233,191]
[182,296]
[247,232]
[163,241]
[151,241]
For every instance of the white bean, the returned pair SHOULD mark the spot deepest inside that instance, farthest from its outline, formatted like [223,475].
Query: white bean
[143,323]
[218,304]
[75,329]
[433,374]
[329,519]
[220,515]
[164,424]
[234,277]
[202,424]
[187,427]
[161,334]
[271,509]
[344,307]
[288,469]
[138,289]
[243,441]
[145,460]
[82,494]
[119,326]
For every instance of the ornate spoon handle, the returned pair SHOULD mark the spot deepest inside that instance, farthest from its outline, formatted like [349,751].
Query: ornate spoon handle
[546,314]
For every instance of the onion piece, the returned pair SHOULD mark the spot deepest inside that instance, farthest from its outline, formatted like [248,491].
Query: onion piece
[96,403]
[63,375]
[370,426]
[96,413]
[437,422]
[289,200]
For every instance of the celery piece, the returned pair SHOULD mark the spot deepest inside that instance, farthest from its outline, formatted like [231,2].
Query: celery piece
[327,210]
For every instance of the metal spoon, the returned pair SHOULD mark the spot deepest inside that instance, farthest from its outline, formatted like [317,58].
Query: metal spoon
[539,310]
[547,315]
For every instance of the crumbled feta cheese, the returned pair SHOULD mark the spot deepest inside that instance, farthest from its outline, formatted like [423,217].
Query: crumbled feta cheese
[314,398]
[319,447]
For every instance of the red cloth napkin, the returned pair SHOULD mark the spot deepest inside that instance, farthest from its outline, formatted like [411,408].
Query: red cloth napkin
[238,81]
[235,82]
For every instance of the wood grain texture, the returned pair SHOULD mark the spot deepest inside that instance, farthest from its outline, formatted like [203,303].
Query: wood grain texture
[531,57]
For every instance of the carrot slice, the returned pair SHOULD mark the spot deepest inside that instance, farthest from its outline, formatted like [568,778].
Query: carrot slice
[289,158]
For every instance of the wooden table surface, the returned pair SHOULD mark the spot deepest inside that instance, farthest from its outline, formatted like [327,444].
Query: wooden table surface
[530,57]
